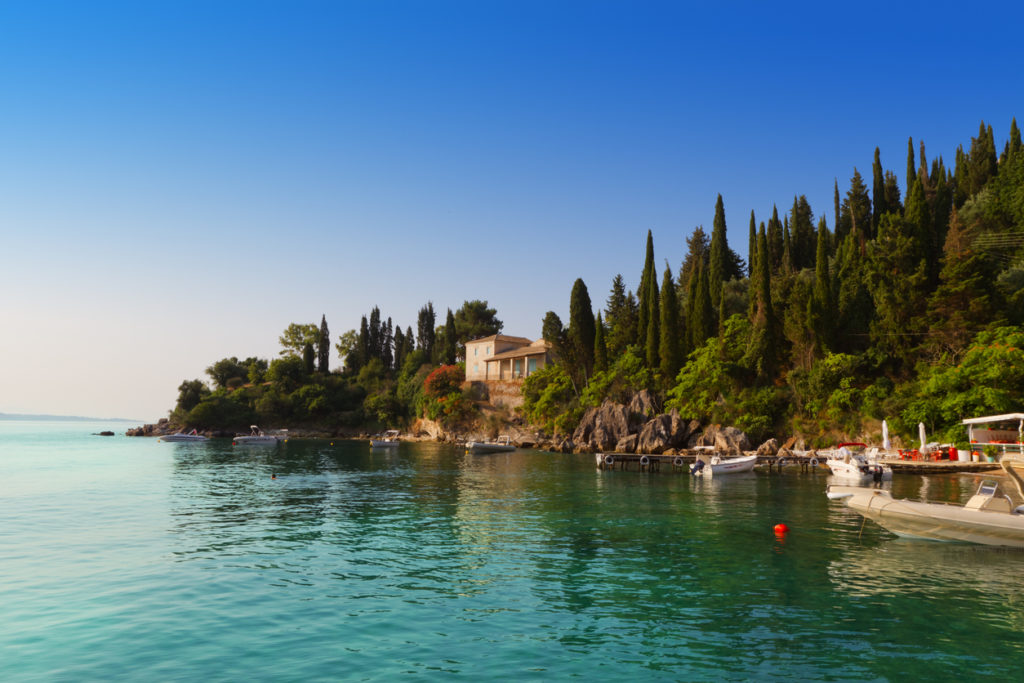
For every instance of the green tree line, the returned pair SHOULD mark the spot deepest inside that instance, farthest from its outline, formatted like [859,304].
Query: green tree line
[909,308]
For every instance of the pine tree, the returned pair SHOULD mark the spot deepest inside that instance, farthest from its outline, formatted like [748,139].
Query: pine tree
[308,358]
[919,224]
[892,200]
[621,318]
[600,349]
[362,354]
[669,350]
[324,346]
[697,250]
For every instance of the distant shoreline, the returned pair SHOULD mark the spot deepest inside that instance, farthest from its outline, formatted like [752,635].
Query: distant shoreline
[62,418]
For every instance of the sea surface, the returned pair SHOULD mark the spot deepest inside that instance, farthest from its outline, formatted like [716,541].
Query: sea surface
[132,559]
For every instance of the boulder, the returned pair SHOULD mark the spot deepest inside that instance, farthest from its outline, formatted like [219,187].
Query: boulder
[642,408]
[722,439]
[794,443]
[626,444]
[769,447]
[602,427]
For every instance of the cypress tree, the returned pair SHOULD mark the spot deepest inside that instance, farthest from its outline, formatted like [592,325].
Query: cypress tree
[911,173]
[400,348]
[751,246]
[308,358]
[1013,145]
[718,258]
[426,322]
[835,199]
[891,201]
[762,346]
[669,349]
[877,191]
[642,292]
[823,301]
[700,309]
[362,355]
[451,340]
[776,241]
[697,248]
[323,350]
[581,328]
[387,344]
[918,224]
[376,337]
[600,349]
[801,234]
[621,318]
[653,336]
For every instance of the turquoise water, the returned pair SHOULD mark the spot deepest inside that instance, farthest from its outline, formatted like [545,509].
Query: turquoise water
[128,558]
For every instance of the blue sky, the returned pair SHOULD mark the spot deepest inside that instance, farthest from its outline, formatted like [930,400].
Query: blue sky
[181,180]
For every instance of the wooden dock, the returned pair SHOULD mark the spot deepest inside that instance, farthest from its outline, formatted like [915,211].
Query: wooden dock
[797,463]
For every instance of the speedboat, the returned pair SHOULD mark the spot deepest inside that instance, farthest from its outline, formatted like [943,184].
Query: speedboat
[500,445]
[988,518]
[718,465]
[184,437]
[851,461]
[388,439]
[256,436]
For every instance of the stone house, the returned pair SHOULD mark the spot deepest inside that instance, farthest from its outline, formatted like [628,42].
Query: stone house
[499,364]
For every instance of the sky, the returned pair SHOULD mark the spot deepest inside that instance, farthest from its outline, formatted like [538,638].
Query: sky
[181,180]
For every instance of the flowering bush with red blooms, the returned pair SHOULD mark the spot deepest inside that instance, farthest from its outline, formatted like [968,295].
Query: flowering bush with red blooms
[444,381]
[442,395]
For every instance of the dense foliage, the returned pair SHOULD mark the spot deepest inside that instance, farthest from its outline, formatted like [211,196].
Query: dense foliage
[388,377]
[908,309]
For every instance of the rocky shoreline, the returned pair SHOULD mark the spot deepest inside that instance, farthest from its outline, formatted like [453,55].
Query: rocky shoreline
[637,427]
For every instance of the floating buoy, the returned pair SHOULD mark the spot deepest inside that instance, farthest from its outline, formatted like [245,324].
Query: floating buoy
[781,529]
[332,443]
[273,475]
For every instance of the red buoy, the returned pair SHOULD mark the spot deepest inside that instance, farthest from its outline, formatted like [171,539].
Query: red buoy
[781,529]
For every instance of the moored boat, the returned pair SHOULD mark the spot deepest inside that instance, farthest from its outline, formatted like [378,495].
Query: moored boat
[988,518]
[718,465]
[184,437]
[256,436]
[853,461]
[388,439]
[500,445]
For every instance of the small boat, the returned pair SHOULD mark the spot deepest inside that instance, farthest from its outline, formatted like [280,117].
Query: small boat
[184,437]
[500,445]
[388,439]
[852,461]
[988,518]
[256,437]
[719,465]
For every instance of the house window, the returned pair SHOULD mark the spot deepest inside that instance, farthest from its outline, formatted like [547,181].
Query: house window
[487,351]
[476,368]
[476,349]
[531,366]
[518,371]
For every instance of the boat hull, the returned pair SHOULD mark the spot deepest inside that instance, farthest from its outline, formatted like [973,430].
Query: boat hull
[933,521]
[728,466]
[481,447]
[383,444]
[183,438]
[255,440]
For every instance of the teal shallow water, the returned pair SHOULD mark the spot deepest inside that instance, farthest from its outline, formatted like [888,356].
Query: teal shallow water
[126,558]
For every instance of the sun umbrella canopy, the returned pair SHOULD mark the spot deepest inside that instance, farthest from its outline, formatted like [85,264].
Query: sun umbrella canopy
[920,433]
[885,435]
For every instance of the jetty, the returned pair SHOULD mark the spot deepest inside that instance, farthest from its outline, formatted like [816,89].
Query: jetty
[803,462]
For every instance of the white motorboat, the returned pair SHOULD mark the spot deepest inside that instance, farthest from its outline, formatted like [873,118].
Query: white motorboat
[853,461]
[988,518]
[256,436]
[719,465]
[388,439]
[184,437]
[499,445]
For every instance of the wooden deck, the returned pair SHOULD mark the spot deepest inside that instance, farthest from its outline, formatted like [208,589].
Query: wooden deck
[804,463]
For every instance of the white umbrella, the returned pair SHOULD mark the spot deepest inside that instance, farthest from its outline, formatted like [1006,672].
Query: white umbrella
[920,433]
[885,435]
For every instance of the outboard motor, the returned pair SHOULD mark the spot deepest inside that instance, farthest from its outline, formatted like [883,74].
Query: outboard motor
[876,473]
[697,467]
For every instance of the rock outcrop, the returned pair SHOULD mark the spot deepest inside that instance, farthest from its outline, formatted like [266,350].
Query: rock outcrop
[723,439]
[769,447]
[602,427]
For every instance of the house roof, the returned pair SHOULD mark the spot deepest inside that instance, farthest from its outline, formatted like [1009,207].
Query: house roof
[535,349]
[1009,417]
[501,337]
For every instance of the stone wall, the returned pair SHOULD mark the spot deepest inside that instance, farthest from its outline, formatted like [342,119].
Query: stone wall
[501,392]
